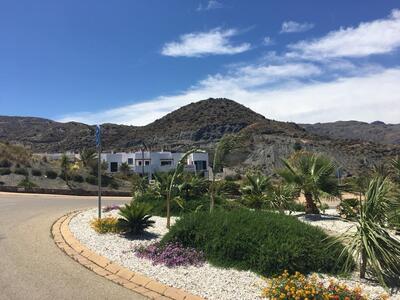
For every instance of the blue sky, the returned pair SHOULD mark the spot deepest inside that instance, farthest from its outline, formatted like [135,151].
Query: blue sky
[131,62]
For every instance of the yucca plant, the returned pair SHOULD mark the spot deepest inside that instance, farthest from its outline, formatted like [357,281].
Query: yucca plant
[371,244]
[281,196]
[135,218]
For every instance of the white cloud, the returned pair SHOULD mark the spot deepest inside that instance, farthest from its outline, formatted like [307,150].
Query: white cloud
[213,42]
[376,37]
[366,98]
[212,4]
[292,26]
[267,41]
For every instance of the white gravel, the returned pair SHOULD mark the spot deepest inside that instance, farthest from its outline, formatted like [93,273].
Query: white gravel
[207,281]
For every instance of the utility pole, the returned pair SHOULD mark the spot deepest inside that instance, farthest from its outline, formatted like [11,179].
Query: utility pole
[98,144]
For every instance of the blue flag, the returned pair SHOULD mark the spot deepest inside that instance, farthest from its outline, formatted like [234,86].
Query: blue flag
[98,136]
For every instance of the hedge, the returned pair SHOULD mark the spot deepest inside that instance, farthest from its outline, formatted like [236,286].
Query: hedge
[264,242]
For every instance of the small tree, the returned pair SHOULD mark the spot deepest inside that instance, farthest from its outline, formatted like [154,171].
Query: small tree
[371,244]
[223,148]
[178,171]
[124,169]
[313,174]
[255,189]
[65,165]
[88,157]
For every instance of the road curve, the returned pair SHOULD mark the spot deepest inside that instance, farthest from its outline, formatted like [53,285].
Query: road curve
[32,267]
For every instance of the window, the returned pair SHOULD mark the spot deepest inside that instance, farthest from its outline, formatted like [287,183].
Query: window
[114,167]
[166,162]
[146,162]
[200,165]
[130,161]
[139,162]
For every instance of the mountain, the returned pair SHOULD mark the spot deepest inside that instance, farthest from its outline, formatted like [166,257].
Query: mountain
[263,142]
[377,132]
[199,123]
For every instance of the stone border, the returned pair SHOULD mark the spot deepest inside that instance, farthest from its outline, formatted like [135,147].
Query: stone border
[136,282]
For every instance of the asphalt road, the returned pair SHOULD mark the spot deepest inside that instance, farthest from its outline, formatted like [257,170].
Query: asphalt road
[31,266]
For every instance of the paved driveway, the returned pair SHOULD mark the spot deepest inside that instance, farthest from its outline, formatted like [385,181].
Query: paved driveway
[31,266]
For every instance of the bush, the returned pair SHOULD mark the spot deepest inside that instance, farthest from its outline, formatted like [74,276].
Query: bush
[51,174]
[36,172]
[171,255]
[77,178]
[21,171]
[105,225]
[135,218]
[26,183]
[349,208]
[297,286]
[264,242]
[114,185]
[5,163]
[5,171]
[91,180]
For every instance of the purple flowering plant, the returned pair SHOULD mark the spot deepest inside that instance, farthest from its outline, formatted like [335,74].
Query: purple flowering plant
[171,255]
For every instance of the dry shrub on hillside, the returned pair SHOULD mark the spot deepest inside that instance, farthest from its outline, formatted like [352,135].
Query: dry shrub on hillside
[15,153]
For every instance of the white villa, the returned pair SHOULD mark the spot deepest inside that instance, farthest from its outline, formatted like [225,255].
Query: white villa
[151,162]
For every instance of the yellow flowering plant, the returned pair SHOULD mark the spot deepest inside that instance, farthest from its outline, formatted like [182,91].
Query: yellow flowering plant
[105,225]
[300,287]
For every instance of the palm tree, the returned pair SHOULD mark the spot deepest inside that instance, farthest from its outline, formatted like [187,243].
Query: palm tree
[255,190]
[88,157]
[256,184]
[223,148]
[172,184]
[124,168]
[371,244]
[313,175]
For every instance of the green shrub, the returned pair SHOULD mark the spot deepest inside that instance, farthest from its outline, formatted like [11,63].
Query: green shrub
[296,206]
[51,174]
[349,208]
[21,171]
[77,178]
[26,183]
[36,172]
[5,171]
[265,242]
[91,180]
[135,218]
[5,163]
[114,185]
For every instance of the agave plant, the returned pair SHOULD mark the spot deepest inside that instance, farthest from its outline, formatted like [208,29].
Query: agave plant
[371,244]
[135,218]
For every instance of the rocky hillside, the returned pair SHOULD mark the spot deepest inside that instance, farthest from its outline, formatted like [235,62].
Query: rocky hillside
[199,123]
[202,124]
[377,132]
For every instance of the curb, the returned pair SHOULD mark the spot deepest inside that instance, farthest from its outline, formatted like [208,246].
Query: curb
[134,281]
